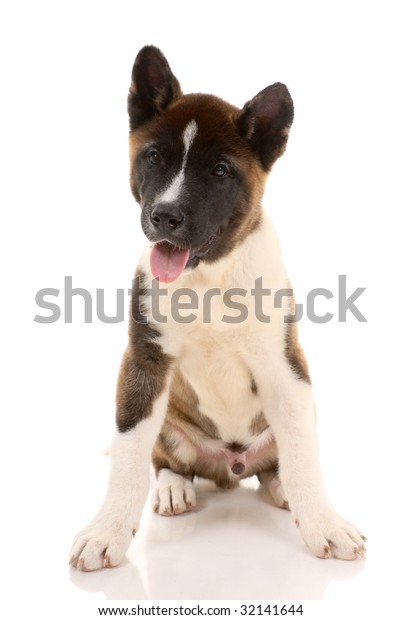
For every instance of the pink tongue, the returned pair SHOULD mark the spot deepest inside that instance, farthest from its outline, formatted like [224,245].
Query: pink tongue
[167,262]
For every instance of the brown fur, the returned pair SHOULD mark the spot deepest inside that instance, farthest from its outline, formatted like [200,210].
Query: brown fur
[143,368]
[254,387]
[293,350]
[258,424]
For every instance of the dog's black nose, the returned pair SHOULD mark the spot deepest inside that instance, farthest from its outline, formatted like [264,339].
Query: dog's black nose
[166,216]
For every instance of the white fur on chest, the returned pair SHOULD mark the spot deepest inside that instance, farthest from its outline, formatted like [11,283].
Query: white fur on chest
[210,350]
[222,382]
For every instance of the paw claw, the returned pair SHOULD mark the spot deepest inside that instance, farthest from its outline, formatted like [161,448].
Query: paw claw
[331,535]
[327,552]
[81,564]
[102,544]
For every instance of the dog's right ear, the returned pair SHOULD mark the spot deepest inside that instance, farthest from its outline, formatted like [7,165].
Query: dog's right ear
[153,86]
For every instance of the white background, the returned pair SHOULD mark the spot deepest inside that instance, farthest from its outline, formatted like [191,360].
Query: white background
[67,210]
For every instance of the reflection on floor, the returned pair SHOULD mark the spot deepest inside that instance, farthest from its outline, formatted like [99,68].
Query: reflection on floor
[236,545]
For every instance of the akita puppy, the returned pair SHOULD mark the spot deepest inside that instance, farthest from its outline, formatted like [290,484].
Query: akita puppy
[213,382]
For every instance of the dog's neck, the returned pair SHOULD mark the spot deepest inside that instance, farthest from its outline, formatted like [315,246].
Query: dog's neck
[227,271]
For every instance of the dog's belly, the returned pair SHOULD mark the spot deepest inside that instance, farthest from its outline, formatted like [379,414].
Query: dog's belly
[223,434]
[225,390]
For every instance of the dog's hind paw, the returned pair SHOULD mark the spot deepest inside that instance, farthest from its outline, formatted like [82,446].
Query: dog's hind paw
[102,544]
[174,494]
[270,481]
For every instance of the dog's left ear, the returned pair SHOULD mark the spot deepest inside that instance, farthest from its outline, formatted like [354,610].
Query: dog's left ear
[265,122]
[153,86]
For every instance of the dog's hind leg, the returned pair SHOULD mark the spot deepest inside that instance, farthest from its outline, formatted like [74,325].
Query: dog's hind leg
[271,482]
[174,494]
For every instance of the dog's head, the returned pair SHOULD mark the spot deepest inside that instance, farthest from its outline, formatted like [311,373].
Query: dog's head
[198,164]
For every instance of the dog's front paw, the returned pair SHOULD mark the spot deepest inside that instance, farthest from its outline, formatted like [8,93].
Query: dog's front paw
[102,544]
[328,535]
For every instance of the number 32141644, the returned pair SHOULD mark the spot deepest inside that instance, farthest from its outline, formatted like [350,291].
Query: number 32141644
[270,610]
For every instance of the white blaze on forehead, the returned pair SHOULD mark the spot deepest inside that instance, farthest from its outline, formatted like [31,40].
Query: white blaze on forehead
[172,192]
[188,136]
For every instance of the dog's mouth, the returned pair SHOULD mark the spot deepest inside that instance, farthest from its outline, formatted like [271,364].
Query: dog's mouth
[168,261]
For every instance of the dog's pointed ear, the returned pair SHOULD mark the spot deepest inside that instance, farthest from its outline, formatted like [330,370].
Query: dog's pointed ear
[153,86]
[265,122]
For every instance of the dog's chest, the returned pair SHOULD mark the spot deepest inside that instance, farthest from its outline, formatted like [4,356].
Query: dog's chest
[223,384]
[215,353]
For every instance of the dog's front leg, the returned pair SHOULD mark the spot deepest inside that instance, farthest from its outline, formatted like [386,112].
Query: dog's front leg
[105,540]
[289,402]
[142,398]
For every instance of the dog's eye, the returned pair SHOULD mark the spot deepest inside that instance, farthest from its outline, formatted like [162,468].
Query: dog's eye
[154,158]
[221,170]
